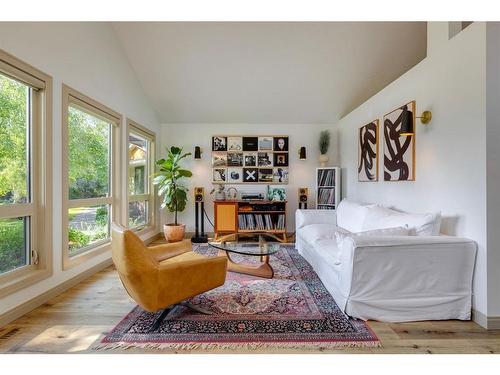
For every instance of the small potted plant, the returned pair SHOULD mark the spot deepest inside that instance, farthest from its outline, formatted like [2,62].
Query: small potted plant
[324,144]
[173,193]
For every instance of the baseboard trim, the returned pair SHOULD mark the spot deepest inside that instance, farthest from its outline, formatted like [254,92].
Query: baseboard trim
[488,322]
[33,303]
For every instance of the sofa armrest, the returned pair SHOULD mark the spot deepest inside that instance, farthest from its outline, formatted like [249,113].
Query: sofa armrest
[307,217]
[434,242]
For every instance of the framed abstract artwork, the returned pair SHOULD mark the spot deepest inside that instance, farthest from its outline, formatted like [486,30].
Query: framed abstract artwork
[399,151]
[368,152]
[260,159]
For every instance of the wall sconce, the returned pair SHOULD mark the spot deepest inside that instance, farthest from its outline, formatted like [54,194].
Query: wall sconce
[302,153]
[197,152]
[407,125]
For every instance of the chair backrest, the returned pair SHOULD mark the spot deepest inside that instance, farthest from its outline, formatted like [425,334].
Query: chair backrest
[137,268]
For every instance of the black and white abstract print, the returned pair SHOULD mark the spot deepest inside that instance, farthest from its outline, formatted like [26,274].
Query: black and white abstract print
[398,150]
[368,152]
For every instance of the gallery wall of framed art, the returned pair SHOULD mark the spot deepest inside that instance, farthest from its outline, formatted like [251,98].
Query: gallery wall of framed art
[250,159]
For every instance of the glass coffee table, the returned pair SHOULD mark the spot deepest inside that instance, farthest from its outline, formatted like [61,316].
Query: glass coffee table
[251,244]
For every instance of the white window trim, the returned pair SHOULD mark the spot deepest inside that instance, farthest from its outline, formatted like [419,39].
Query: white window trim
[74,98]
[41,207]
[152,227]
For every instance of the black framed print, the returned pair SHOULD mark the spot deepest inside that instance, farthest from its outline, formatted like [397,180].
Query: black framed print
[250,159]
[265,159]
[280,144]
[219,143]
[234,159]
[265,175]
[250,143]
[280,159]
[250,175]
[235,175]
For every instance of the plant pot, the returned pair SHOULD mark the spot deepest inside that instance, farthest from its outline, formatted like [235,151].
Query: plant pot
[174,233]
[323,160]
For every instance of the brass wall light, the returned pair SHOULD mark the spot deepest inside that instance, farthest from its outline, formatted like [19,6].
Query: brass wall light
[407,125]
[302,153]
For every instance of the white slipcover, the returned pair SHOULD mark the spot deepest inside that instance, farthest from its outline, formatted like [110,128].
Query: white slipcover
[395,278]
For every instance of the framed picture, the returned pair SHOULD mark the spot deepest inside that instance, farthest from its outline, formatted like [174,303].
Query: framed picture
[219,175]
[265,175]
[250,160]
[280,144]
[234,144]
[235,175]
[264,159]
[265,143]
[234,159]
[280,159]
[368,152]
[250,175]
[250,143]
[219,143]
[399,152]
[280,175]
[219,159]
[276,194]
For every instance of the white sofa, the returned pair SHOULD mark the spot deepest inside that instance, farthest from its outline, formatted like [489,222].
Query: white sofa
[420,276]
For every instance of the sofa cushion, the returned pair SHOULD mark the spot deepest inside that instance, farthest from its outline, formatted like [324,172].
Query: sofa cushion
[351,215]
[315,232]
[328,250]
[421,224]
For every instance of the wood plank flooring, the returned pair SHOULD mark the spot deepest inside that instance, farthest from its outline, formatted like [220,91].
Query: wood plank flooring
[76,320]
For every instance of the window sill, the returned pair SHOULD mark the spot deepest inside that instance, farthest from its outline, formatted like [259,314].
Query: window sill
[70,262]
[22,279]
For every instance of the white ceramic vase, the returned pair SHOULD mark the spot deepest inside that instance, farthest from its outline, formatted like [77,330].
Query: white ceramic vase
[323,160]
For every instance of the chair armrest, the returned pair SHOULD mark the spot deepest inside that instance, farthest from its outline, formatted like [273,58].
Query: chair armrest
[307,217]
[408,241]
[169,250]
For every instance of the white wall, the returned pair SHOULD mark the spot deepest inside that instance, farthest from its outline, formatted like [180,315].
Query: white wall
[87,57]
[301,171]
[450,151]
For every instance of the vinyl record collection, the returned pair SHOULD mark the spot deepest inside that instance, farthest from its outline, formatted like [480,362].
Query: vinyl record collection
[326,177]
[260,222]
[326,196]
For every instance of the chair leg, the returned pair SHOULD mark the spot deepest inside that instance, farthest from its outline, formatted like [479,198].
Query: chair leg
[195,308]
[156,325]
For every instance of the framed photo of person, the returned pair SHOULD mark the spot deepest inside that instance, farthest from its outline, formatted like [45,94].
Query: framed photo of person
[250,159]
[280,175]
[219,143]
[280,159]
[280,144]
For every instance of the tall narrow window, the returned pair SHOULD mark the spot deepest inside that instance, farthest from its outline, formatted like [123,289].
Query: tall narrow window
[141,204]
[90,160]
[24,174]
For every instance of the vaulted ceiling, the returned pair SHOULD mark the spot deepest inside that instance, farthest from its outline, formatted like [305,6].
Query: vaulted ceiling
[278,72]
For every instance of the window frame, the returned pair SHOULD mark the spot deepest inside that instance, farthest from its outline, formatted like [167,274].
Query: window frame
[74,98]
[152,226]
[40,207]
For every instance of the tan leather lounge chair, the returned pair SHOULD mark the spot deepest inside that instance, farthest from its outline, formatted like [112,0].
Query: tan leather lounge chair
[163,276]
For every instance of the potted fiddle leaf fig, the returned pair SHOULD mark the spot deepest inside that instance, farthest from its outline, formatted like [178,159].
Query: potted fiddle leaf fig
[170,189]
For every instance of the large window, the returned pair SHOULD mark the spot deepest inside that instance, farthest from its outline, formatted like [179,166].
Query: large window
[90,159]
[25,164]
[141,203]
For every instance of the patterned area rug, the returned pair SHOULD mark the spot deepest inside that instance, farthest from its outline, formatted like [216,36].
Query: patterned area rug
[292,310]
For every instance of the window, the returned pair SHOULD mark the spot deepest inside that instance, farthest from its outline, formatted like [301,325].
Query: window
[141,202]
[25,174]
[90,172]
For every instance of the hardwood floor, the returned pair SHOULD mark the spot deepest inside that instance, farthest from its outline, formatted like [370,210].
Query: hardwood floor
[76,320]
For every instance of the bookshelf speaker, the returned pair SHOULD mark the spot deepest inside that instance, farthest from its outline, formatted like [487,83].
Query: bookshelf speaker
[303,197]
[199,194]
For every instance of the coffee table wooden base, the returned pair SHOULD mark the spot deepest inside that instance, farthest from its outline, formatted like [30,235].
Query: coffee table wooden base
[263,270]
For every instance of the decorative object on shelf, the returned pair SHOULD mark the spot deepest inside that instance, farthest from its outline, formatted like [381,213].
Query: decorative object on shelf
[407,125]
[173,193]
[250,160]
[276,194]
[232,193]
[197,152]
[302,153]
[220,192]
[399,151]
[324,144]
[303,193]
[368,152]
[199,221]
[327,188]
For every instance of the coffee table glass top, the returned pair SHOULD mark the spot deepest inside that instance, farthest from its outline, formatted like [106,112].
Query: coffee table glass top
[257,244]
